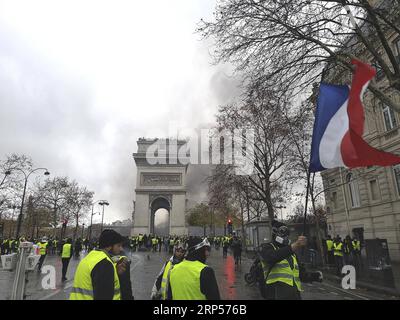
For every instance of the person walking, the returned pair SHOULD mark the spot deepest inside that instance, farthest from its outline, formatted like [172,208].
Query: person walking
[78,247]
[66,255]
[329,251]
[97,275]
[154,243]
[159,291]
[171,244]
[237,251]
[42,252]
[356,244]
[348,250]
[338,254]
[225,245]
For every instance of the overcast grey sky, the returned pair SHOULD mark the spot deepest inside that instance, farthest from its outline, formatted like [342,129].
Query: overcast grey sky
[80,81]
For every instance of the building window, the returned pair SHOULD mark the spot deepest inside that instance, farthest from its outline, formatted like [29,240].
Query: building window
[396,47]
[375,193]
[389,118]
[353,191]
[396,170]
[334,200]
[379,71]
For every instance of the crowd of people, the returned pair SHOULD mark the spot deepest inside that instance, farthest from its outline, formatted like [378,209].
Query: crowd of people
[104,272]
[155,243]
[340,252]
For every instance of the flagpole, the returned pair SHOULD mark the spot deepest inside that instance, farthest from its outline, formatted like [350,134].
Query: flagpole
[306,204]
[345,201]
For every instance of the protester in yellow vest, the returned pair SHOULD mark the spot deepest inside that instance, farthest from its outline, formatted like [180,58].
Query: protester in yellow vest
[96,277]
[154,243]
[66,255]
[160,286]
[282,272]
[356,245]
[42,251]
[357,253]
[192,279]
[329,250]
[338,254]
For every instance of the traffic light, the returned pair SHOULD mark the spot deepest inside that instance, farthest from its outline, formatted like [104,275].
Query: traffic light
[230,227]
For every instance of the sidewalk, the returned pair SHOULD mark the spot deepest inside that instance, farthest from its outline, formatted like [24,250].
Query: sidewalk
[366,282]
[365,285]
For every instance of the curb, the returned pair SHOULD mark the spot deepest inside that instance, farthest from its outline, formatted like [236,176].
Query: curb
[369,286]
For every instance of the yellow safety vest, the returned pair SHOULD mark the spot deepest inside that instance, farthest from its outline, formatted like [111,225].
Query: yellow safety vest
[171,242]
[66,251]
[185,280]
[165,280]
[337,249]
[83,287]
[329,245]
[282,272]
[140,238]
[42,248]
[154,241]
[356,245]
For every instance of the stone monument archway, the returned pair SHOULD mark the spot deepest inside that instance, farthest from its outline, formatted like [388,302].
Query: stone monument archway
[160,183]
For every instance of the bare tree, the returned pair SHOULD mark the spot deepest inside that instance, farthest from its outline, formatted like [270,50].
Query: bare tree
[261,111]
[79,201]
[291,43]
[54,196]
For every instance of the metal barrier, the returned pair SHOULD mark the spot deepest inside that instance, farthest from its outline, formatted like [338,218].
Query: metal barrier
[21,262]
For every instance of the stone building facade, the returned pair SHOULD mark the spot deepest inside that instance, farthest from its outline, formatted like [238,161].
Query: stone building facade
[366,202]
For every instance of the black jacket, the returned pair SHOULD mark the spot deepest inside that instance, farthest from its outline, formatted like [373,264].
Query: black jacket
[103,282]
[280,290]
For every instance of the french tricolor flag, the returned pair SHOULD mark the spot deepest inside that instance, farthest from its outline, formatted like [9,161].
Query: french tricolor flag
[339,126]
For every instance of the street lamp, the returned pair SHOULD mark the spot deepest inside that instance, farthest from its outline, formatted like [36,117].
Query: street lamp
[26,175]
[103,203]
[7,173]
[91,218]
[83,228]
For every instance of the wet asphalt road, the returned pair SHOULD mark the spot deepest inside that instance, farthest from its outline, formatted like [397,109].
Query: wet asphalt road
[146,266]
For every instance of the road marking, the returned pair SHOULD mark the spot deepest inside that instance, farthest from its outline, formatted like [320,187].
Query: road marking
[346,291]
[50,295]
[137,262]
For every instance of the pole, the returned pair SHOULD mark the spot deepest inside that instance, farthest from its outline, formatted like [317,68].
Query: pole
[83,228]
[321,251]
[102,219]
[20,213]
[91,223]
[306,204]
[345,201]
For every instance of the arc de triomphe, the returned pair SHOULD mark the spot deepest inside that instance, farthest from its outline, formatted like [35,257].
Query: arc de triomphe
[160,183]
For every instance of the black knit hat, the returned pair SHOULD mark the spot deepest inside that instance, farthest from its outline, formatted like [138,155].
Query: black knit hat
[109,237]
